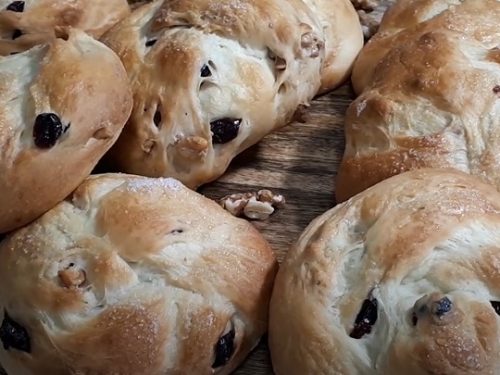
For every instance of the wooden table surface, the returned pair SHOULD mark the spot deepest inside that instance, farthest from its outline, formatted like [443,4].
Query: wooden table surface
[300,162]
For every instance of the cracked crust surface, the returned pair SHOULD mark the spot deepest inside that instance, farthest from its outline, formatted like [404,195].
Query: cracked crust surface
[132,275]
[429,86]
[410,267]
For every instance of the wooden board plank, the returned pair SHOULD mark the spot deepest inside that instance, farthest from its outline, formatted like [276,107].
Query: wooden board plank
[299,161]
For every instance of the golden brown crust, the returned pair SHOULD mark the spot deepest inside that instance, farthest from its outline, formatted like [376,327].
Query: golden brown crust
[424,246]
[39,21]
[82,82]
[193,63]
[427,94]
[162,274]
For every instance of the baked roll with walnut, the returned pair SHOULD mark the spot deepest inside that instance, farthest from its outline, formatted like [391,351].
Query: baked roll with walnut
[62,105]
[24,24]
[401,279]
[212,77]
[130,276]
[429,85]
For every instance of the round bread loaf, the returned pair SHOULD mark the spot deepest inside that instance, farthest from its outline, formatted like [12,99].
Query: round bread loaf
[132,275]
[62,105]
[403,278]
[212,77]
[24,24]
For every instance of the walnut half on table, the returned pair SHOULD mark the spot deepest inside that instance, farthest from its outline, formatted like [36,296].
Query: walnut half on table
[253,205]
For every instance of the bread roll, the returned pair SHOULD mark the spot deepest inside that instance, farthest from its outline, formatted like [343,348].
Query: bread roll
[62,105]
[429,85]
[212,77]
[401,279]
[133,276]
[24,24]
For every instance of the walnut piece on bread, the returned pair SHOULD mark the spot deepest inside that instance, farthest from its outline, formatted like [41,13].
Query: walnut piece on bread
[401,279]
[253,205]
[24,24]
[63,104]
[133,276]
[213,77]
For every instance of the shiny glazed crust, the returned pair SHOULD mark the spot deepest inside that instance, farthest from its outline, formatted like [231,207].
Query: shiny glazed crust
[424,247]
[429,85]
[132,276]
[81,81]
[192,63]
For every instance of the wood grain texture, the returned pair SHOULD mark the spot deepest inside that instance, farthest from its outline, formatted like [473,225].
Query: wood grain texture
[299,161]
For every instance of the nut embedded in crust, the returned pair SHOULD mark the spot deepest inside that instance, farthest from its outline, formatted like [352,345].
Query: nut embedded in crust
[72,277]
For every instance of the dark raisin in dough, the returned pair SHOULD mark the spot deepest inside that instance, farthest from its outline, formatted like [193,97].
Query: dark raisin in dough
[414,319]
[205,71]
[151,42]
[442,307]
[16,6]
[225,129]
[48,129]
[366,318]
[16,34]
[157,118]
[177,231]
[13,335]
[496,89]
[224,349]
[496,306]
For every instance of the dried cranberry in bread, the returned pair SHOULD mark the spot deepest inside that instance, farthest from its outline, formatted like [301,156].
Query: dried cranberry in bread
[401,279]
[212,77]
[133,276]
[430,94]
[24,24]
[62,105]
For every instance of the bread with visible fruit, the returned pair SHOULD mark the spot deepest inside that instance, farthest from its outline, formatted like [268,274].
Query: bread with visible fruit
[213,77]
[24,24]
[62,106]
[401,279]
[130,276]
